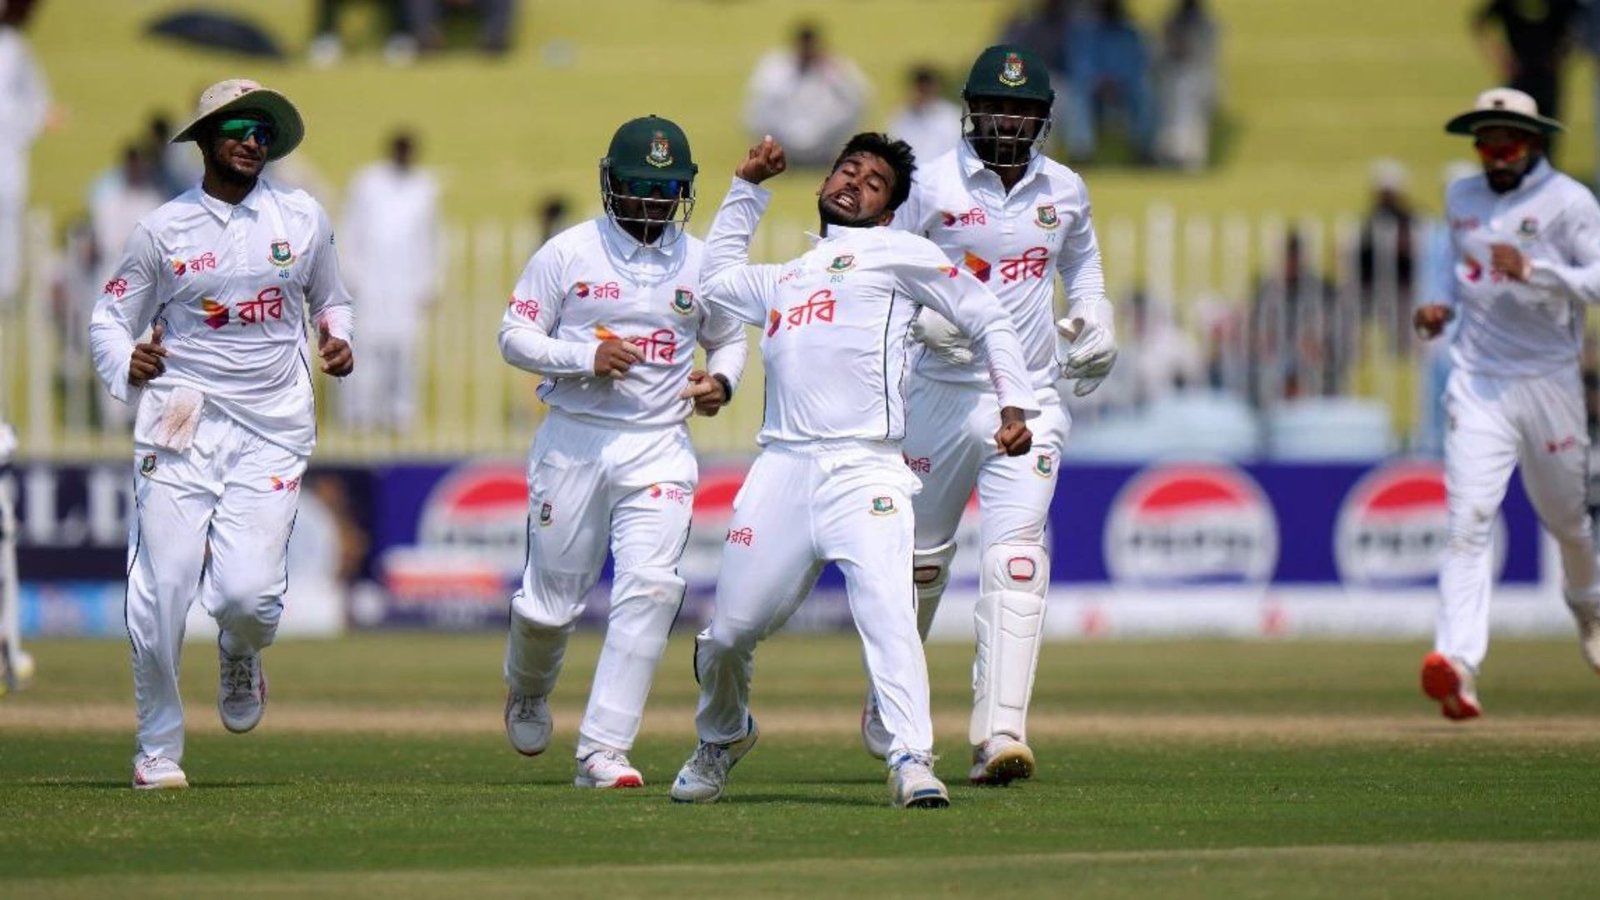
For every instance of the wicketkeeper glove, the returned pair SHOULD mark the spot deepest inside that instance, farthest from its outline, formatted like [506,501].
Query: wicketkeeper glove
[941,337]
[1087,352]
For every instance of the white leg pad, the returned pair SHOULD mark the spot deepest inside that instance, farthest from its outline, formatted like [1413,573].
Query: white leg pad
[930,572]
[1010,626]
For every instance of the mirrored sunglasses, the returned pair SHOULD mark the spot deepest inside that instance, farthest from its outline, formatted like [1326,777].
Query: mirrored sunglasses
[1502,153]
[245,129]
[644,187]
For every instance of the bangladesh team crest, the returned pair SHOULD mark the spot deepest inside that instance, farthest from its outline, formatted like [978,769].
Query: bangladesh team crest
[147,465]
[546,513]
[1044,465]
[683,301]
[842,263]
[1529,227]
[1012,73]
[660,154]
[883,506]
[1047,216]
[282,254]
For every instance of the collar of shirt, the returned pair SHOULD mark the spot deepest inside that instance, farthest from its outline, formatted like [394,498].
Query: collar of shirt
[838,233]
[973,169]
[628,248]
[223,210]
[1538,175]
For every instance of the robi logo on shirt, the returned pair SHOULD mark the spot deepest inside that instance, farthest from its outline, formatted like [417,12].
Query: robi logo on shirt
[267,304]
[608,290]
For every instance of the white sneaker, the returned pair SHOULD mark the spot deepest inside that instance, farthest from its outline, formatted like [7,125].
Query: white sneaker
[913,784]
[528,723]
[703,777]
[607,769]
[874,736]
[1588,634]
[157,773]
[241,691]
[1449,681]
[1001,760]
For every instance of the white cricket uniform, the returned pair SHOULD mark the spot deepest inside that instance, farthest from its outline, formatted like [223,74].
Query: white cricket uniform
[830,484]
[24,104]
[1514,395]
[222,437]
[612,459]
[1016,243]
[391,262]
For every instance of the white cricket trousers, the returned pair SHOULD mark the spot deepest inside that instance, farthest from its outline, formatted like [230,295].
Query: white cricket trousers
[1495,424]
[213,520]
[950,445]
[802,505]
[592,486]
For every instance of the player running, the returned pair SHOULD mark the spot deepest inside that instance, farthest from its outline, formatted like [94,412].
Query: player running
[608,312]
[1016,220]
[225,417]
[1527,248]
[830,483]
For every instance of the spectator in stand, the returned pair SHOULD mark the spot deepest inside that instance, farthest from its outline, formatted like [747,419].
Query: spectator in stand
[174,168]
[928,122]
[426,20]
[552,214]
[389,241]
[1187,81]
[1108,71]
[1528,41]
[808,99]
[24,113]
[400,44]
[1589,33]
[1388,254]
[1291,340]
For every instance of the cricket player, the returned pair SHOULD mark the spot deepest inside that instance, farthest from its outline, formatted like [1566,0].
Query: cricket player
[1526,240]
[1017,221]
[610,313]
[830,484]
[16,665]
[224,416]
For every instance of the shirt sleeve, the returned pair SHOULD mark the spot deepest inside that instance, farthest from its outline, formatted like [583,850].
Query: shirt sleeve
[1576,274]
[531,315]
[726,348]
[325,291]
[729,282]
[1078,264]
[957,295]
[127,305]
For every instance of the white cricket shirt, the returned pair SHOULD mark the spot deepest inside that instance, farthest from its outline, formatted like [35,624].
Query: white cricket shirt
[1014,243]
[594,281]
[230,286]
[1509,328]
[835,321]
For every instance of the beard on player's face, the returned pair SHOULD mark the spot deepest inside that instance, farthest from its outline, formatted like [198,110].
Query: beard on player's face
[235,162]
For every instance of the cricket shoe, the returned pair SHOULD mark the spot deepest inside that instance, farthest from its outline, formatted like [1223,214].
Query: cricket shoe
[607,769]
[1588,634]
[241,691]
[999,761]
[528,723]
[913,784]
[1450,682]
[157,773]
[703,777]
[874,736]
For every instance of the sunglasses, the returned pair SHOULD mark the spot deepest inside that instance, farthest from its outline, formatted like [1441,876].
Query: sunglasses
[1503,153]
[244,129]
[670,189]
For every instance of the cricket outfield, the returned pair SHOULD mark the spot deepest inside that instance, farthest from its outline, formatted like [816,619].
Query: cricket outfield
[1211,769]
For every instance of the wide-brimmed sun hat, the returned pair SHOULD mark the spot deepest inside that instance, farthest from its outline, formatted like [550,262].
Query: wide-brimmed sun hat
[239,95]
[1506,108]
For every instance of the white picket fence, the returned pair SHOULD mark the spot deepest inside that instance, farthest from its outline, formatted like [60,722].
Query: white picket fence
[1200,273]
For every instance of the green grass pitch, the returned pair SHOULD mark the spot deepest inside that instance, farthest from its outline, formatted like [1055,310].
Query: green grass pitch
[1193,769]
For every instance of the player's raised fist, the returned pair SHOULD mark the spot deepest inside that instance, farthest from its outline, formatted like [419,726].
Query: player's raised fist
[148,360]
[1429,320]
[614,357]
[337,359]
[764,160]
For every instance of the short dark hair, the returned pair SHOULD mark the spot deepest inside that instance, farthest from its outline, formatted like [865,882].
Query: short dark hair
[896,153]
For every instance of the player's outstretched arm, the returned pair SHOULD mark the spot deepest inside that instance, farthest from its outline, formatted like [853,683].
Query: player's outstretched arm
[728,281]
